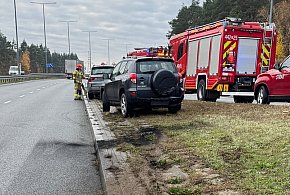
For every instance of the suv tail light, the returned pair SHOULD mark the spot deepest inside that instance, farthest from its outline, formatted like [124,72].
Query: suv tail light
[133,78]
[91,79]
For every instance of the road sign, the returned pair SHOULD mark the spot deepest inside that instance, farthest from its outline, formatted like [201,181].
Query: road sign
[49,65]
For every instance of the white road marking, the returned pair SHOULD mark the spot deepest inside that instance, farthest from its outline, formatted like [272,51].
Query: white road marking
[22,96]
[7,102]
[43,87]
[31,92]
[38,89]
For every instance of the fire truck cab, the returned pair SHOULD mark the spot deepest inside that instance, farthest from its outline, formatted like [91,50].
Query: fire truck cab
[224,58]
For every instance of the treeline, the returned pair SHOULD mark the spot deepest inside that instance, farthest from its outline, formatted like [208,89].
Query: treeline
[32,57]
[248,10]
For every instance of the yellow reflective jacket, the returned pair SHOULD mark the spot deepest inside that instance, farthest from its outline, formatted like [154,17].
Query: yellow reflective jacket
[78,76]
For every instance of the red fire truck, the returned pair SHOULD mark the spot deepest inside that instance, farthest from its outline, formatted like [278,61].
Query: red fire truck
[224,57]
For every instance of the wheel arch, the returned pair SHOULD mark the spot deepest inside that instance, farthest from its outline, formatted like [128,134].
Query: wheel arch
[201,76]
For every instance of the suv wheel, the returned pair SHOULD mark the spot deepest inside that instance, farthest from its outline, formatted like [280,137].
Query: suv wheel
[263,96]
[90,96]
[106,103]
[174,109]
[126,108]
[201,91]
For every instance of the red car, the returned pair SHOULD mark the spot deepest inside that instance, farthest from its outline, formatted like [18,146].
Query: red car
[274,85]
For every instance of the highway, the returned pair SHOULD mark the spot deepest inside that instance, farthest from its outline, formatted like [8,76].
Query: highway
[46,143]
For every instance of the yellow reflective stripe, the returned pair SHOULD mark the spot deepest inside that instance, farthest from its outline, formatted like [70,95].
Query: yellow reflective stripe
[265,61]
[227,44]
[225,54]
[234,45]
[266,51]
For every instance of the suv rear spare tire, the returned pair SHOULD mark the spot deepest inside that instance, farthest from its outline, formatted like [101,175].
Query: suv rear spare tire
[164,82]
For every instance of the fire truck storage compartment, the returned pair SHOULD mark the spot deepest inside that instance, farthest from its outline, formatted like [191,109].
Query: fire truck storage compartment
[192,58]
[214,56]
[203,53]
[247,56]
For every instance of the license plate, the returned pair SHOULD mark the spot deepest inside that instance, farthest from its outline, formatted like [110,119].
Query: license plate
[222,88]
[159,103]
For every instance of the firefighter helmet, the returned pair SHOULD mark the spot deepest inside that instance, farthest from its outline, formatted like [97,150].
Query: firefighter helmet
[79,66]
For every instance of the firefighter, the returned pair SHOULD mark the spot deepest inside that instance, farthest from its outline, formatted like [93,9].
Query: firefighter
[78,77]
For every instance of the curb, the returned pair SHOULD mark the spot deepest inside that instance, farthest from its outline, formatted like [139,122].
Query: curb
[104,142]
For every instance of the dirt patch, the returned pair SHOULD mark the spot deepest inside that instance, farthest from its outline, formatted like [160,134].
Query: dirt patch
[163,165]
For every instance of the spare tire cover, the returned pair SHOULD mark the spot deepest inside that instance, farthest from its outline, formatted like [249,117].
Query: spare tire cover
[164,82]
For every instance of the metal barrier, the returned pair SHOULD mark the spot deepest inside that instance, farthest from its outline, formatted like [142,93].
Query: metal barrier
[32,76]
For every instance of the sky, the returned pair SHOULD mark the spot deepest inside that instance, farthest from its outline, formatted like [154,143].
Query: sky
[127,23]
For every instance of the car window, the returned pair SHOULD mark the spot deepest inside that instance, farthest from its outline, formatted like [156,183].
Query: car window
[123,67]
[116,70]
[152,66]
[286,63]
[102,70]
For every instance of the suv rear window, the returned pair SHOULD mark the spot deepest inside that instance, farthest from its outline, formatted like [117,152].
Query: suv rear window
[102,70]
[154,65]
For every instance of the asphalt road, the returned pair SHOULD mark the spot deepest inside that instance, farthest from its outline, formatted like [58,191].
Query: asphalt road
[229,99]
[46,143]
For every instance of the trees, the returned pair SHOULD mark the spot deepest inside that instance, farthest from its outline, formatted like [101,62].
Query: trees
[32,57]
[25,61]
[214,10]
[7,55]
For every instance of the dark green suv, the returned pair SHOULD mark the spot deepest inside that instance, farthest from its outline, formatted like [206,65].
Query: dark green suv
[144,83]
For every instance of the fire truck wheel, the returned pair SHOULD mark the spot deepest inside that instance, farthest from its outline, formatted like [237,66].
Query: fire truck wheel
[201,91]
[243,99]
[263,96]
[164,82]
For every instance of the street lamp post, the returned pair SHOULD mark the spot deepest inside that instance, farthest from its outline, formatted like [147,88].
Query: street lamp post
[44,28]
[108,49]
[90,47]
[271,12]
[127,44]
[16,32]
[68,34]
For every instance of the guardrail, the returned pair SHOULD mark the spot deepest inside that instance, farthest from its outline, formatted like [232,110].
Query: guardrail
[32,76]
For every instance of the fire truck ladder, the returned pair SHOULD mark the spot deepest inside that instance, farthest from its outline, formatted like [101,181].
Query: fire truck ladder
[267,46]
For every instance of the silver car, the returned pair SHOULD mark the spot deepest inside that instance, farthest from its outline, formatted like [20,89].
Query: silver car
[98,78]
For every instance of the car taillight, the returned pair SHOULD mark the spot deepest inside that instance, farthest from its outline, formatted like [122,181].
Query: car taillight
[91,79]
[133,78]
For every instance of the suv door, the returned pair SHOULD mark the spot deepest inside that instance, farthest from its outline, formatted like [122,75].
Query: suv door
[110,87]
[120,79]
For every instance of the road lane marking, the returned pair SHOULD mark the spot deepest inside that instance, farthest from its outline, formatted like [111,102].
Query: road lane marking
[7,102]
[22,96]
[31,92]
[38,89]
[43,87]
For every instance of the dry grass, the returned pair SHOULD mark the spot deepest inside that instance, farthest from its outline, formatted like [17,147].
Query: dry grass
[250,144]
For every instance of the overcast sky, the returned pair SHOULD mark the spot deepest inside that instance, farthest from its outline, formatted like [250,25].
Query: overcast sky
[135,22]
